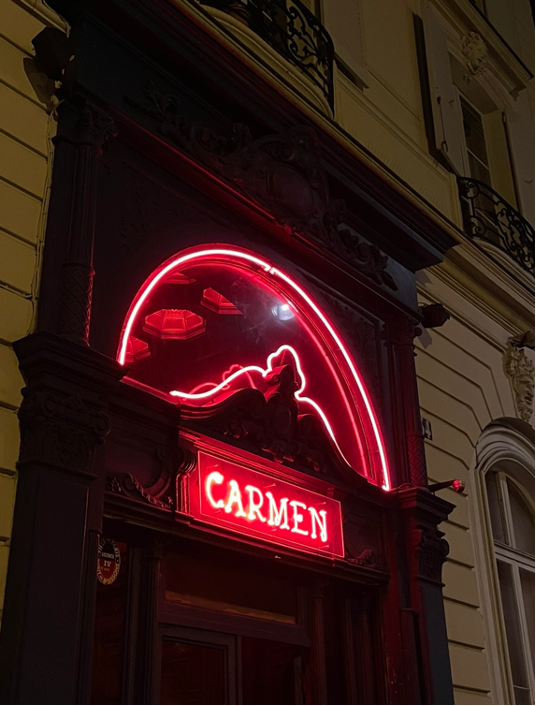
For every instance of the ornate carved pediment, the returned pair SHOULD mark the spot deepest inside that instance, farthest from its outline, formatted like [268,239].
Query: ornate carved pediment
[269,421]
[282,173]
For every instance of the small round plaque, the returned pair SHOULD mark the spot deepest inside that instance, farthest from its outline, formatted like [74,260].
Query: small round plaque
[108,561]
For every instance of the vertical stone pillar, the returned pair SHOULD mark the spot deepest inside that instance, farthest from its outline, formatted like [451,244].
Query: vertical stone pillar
[426,552]
[405,332]
[52,564]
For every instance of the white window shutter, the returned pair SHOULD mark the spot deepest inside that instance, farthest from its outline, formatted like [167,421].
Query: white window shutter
[343,19]
[520,128]
[447,123]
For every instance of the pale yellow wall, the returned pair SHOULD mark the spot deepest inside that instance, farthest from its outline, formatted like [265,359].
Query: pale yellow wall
[462,388]
[26,128]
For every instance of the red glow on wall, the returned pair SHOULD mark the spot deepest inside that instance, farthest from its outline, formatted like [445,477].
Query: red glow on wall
[254,503]
[356,427]
[176,324]
[136,350]
[217,303]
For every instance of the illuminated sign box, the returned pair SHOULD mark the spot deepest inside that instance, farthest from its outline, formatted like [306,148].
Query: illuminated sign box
[259,505]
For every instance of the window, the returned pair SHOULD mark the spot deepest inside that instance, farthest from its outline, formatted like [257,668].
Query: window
[475,143]
[512,524]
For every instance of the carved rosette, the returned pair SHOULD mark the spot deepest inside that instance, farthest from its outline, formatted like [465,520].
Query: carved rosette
[432,551]
[520,369]
[60,430]
[282,173]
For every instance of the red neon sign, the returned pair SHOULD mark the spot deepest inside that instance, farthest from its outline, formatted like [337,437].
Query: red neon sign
[335,383]
[248,501]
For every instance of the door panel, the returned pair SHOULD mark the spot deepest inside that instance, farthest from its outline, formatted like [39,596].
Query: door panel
[197,667]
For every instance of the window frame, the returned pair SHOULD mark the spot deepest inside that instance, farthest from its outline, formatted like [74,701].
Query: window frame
[517,559]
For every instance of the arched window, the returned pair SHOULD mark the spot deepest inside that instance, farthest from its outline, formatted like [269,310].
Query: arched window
[216,319]
[512,525]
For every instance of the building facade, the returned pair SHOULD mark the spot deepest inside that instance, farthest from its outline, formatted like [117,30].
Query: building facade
[282,353]
[26,131]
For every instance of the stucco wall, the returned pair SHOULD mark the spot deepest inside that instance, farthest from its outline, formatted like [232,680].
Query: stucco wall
[27,126]
[462,388]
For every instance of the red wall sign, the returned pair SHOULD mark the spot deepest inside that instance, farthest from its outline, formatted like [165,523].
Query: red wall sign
[257,504]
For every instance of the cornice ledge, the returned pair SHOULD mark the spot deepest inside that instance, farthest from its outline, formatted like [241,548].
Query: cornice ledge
[476,273]
[473,21]
[327,124]
[46,14]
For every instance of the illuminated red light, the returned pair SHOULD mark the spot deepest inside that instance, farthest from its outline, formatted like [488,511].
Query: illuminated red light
[217,303]
[357,403]
[257,504]
[213,389]
[176,324]
[178,278]
[136,350]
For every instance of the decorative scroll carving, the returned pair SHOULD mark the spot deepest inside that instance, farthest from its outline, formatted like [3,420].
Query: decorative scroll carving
[432,551]
[95,126]
[475,53]
[127,485]
[60,430]
[282,173]
[520,369]
[270,422]
[76,297]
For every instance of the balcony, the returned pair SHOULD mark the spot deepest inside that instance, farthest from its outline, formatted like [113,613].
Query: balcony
[488,217]
[292,30]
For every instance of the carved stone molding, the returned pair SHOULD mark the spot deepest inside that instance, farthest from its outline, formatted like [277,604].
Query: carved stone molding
[475,53]
[432,551]
[282,173]
[520,369]
[60,430]
[128,486]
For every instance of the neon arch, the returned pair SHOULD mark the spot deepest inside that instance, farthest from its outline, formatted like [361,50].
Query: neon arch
[363,437]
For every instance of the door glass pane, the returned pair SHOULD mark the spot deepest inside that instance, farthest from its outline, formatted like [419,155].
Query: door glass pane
[523,521]
[271,672]
[213,584]
[527,587]
[193,673]
[495,510]
[511,620]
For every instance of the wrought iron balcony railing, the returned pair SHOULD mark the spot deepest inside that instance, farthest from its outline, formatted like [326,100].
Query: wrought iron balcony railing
[292,30]
[487,215]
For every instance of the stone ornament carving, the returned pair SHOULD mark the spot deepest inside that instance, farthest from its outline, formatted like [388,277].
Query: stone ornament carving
[127,485]
[95,126]
[282,173]
[60,430]
[76,298]
[432,551]
[475,53]
[520,369]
